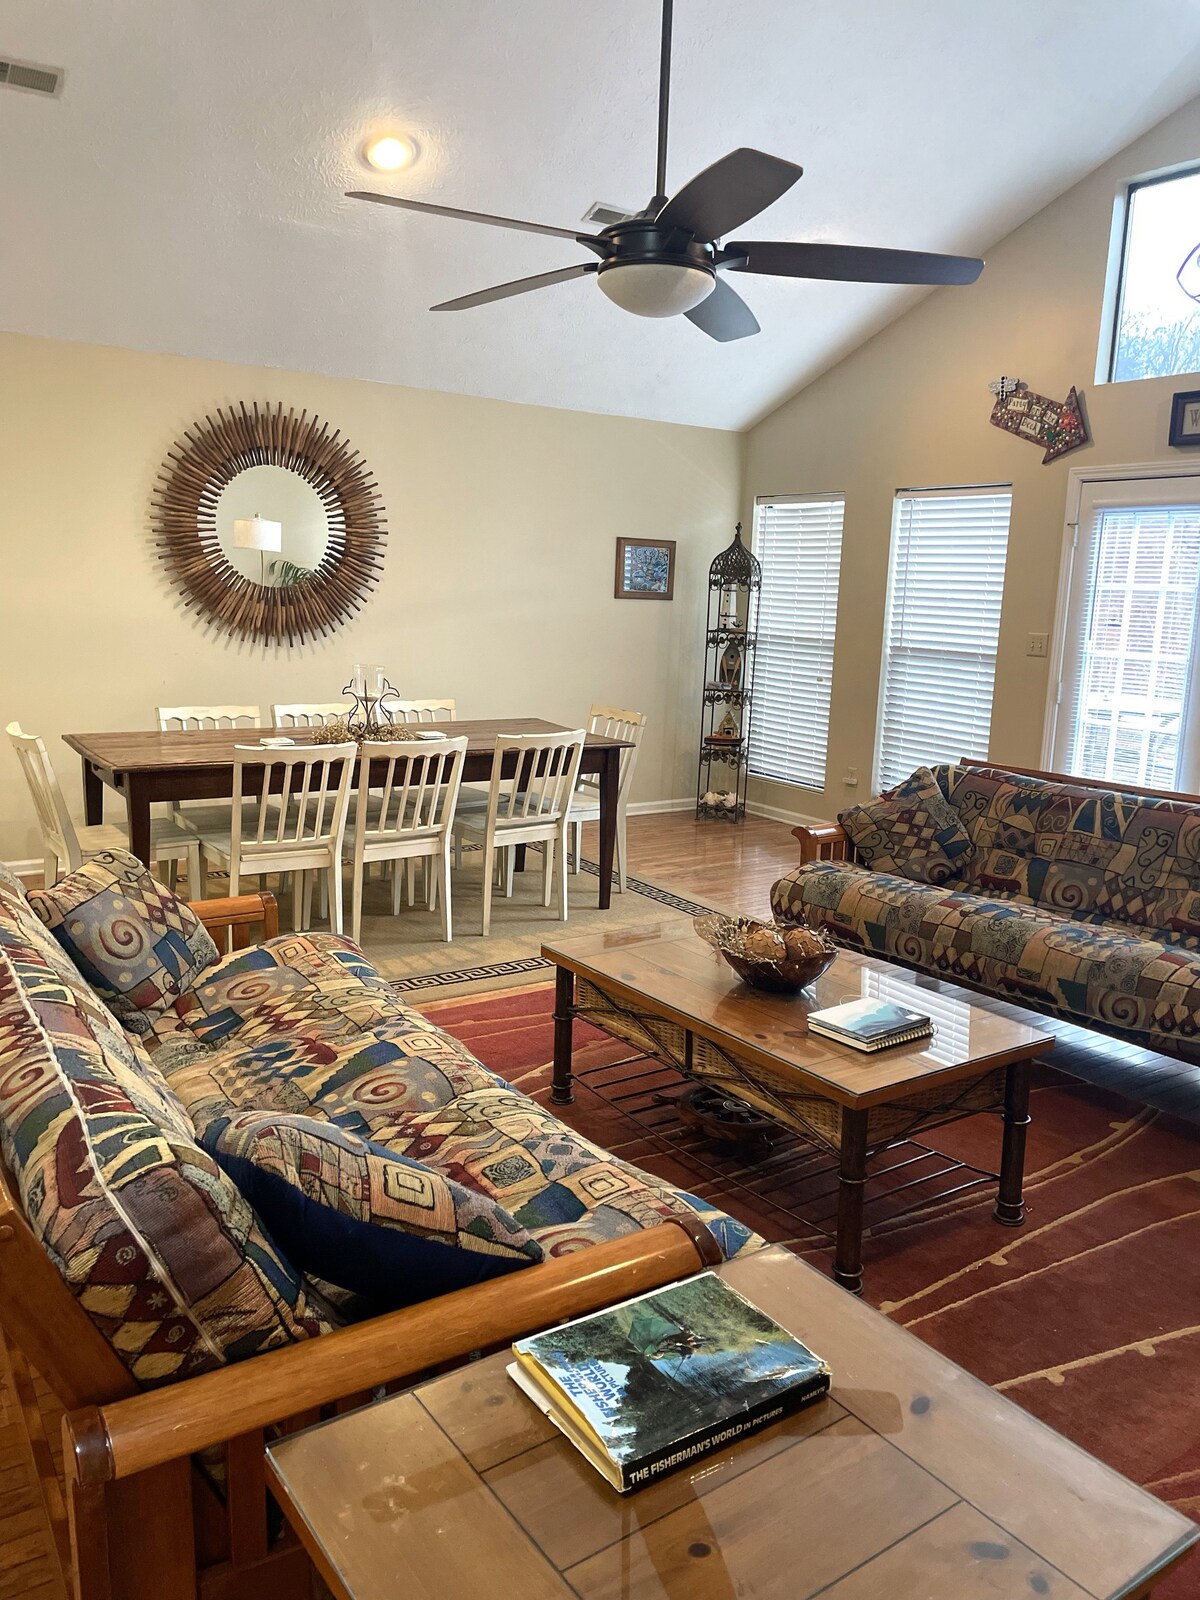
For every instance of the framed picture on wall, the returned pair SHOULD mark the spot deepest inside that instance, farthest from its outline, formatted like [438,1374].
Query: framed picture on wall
[645,569]
[1185,418]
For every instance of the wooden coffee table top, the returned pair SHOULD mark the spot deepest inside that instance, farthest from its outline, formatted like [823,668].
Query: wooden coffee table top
[670,971]
[912,1481]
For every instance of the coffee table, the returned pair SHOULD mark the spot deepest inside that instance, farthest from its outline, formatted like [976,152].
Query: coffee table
[666,992]
[911,1481]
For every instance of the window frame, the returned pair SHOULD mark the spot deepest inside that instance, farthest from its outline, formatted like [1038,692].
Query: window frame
[761,502]
[1114,272]
[1079,480]
[943,491]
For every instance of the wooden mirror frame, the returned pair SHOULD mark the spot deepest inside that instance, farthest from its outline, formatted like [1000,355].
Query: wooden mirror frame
[184,518]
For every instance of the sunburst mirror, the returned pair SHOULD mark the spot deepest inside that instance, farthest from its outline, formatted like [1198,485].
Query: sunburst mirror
[269,523]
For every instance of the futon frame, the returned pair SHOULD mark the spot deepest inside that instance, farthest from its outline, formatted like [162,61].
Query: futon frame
[130,1518]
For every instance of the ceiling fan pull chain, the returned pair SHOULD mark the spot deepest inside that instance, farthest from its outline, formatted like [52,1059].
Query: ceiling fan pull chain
[664,101]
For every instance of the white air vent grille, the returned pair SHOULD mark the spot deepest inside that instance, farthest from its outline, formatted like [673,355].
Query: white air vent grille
[606,215]
[27,75]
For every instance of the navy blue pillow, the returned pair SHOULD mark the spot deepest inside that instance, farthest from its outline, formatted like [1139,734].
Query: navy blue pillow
[348,1211]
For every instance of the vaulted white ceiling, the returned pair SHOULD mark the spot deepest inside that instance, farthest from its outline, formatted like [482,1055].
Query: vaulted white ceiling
[185,193]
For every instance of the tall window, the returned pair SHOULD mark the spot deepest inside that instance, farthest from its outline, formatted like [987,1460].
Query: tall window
[1124,708]
[798,539]
[944,593]
[1156,331]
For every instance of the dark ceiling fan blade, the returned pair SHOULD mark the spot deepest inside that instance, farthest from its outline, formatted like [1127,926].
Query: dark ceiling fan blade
[728,193]
[724,315]
[541,280]
[471,216]
[850,263]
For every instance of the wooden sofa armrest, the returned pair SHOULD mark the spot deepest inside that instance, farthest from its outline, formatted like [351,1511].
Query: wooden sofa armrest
[149,1430]
[823,841]
[239,915]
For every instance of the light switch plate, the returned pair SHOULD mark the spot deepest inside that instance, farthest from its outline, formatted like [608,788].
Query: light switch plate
[1037,644]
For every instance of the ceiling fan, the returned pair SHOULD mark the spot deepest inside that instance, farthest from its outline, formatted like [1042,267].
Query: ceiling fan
[667,259]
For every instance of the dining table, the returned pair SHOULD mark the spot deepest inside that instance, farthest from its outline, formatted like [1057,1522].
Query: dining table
[197,764]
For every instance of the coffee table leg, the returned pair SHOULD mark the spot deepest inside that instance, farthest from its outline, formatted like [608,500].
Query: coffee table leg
[1010,1205]
[564,1020]
[852,1177]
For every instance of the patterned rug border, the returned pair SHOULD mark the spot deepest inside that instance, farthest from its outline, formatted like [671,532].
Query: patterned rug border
[486,971]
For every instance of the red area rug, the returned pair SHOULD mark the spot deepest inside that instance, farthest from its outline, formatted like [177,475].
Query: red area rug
[1088,1316]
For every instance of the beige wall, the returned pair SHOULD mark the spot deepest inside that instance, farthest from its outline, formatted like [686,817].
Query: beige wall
[910,409]
[497,587]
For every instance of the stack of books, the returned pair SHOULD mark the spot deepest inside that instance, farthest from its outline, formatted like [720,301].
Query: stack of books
[870,1024]
[649,1386]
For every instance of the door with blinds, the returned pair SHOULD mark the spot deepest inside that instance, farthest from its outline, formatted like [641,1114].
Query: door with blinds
[798,539]
[945,588]
[1126,706]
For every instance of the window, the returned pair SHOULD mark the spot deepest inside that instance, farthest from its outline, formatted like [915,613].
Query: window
[944,594]
[1129,639]
[1156,330]
[798,539]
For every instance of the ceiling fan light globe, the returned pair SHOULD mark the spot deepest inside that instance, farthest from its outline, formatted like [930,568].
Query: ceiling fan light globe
[656,288]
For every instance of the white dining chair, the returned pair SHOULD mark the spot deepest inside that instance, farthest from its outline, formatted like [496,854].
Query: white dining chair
[613,723]
[409,711]
[211,816]
[532,806]
[407,795]
[289,815]
[65,847]
[309,714]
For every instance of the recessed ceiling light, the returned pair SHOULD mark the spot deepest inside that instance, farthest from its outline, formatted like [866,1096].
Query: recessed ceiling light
[389,154]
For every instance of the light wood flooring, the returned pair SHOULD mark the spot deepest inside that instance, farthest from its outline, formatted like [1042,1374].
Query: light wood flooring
[716,862]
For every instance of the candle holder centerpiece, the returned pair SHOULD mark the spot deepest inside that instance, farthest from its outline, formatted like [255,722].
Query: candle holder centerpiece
[368,717]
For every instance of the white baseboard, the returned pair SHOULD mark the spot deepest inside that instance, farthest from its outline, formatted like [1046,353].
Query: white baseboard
[777,814]
[25,869]
[645,808]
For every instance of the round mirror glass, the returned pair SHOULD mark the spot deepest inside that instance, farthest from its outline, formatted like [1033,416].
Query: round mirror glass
[272,526]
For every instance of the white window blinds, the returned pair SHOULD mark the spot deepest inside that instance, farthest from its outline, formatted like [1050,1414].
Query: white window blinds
[798,539]
[944,594]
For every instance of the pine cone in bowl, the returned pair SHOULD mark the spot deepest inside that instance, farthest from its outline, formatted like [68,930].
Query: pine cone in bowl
[766,955]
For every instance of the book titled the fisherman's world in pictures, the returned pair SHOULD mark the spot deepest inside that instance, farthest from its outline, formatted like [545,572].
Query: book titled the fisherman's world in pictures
[870,1024]
[651,1385]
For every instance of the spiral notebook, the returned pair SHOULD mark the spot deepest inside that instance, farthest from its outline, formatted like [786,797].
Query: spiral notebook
[870,1024]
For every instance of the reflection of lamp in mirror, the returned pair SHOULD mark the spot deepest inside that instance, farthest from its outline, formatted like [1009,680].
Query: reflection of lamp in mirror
[258,533]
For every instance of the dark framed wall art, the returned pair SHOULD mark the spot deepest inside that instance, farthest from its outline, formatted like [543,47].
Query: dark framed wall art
[1185,418]
[645,569]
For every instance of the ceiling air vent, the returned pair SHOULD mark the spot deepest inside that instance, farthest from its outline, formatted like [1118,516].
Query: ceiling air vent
[605,214]
[30,77]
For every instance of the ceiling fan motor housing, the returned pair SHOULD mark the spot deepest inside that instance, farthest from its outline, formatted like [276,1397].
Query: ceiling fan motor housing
[654,271]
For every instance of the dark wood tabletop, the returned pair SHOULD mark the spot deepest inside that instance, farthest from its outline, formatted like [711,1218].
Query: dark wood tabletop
[197,764]
[143,751]
[910,1481]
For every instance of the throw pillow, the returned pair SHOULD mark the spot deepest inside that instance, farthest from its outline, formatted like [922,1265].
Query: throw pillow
[138,946]
[350,1212]
[911,830]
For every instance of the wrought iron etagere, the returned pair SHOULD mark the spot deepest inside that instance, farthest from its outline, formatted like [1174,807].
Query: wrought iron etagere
[734,582]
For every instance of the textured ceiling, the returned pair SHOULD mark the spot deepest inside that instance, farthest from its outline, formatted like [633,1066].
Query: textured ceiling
[185,193]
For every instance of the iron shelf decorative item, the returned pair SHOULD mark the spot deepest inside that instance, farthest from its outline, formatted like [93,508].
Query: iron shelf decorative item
[734,582]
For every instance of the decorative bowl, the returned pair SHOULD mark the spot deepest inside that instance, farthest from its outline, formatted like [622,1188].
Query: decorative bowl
[767,955]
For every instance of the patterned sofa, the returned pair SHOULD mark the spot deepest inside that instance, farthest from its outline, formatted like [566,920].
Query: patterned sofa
[1071,900]
[104,1135]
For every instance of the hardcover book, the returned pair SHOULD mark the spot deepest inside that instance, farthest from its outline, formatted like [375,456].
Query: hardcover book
[870,1024]
[651,1385]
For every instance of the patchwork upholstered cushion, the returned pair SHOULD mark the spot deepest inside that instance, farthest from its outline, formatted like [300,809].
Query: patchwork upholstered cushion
[911,830]
[567,1191]
[136,944]
[360,1217]
[1083,852]
[1099,973]
[156,1243]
